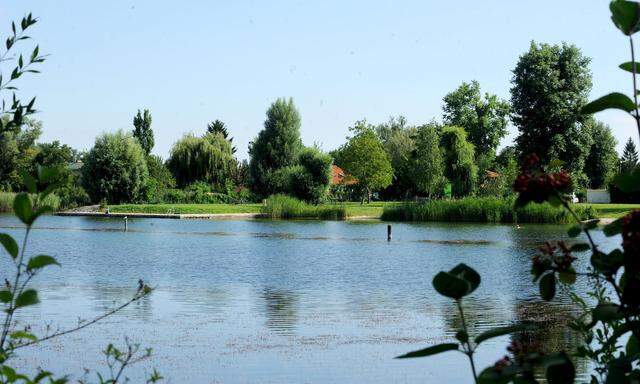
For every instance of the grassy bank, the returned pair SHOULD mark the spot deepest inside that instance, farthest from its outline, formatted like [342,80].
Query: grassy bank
[285,207]
[6,202]
[483,210]
[611,210]
[186,208]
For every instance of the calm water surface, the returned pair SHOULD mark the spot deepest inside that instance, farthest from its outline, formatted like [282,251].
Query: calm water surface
[281,301]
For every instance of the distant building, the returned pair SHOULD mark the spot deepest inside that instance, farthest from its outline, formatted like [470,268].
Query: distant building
[598,196]
[340,177]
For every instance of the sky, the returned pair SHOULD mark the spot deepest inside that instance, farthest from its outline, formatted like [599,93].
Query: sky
[191,62]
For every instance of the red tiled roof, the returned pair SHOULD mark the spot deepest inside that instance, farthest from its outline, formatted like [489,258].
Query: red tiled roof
[338,176]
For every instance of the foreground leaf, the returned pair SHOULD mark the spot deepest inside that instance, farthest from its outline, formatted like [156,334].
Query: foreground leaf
[611,101]
[433,350]
[26,298]
[628,66]
[625,16]
[41,261]
[548,287]
[500,331]
[613,228]
[560,369]
[23,335]
[9,244]
[607,312]
[22,208]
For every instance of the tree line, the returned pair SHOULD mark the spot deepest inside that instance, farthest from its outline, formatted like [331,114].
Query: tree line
[456,157]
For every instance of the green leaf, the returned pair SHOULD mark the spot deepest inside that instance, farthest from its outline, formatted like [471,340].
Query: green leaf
[430,351]
[568,277]
[613,100]
[607,264]
[23,335]
[5,296]
[41,261]
[633,347]
[560,369]
[500,331]
[606,312]
[548,286]
[491,375]
[580,247]
[22,208]
[26,298]
[575,230]
[590,224]
[450,286]
[9,244]
[462,336]
[468,274]
[625,16]
[613,228]
[29,182]
[628,66]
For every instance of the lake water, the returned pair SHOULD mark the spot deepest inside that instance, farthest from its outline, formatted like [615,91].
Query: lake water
[254,301]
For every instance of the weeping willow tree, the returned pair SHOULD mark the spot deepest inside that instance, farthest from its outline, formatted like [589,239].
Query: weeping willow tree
[208,158]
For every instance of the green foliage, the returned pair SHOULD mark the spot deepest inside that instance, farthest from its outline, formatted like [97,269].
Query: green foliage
[218,126]
[160,179]
[397,137]
[208,158]
[142,130]
[366,159]
[115,169]
[459,165]
[484,118]
[481,210]
[311,184]
[426,161]
[277,145]
[629,159]
[602,162]
[18,152]
[551,84]
[287,207]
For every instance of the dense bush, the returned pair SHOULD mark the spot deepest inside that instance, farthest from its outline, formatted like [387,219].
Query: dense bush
[115,169]
[483,210]
[208,158]
[287,207]
[312,183]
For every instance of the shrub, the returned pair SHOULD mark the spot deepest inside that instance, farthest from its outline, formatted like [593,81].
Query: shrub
[287,207]
[482,210]
[311,184]
[73,196]
[115,169]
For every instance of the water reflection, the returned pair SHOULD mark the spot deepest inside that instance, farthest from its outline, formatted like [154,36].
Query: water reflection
[280,310]
[241,301]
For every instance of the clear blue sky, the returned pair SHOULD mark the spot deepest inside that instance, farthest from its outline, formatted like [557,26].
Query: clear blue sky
[191,62]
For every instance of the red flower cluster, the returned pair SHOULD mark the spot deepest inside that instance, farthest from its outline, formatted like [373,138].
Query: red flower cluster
[560,261]
[522,351]
[537,186]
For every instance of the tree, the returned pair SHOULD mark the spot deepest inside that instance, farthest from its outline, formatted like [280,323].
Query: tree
[484,118]
[397,138]
[142,130]
[17,152]
[218,126]
[277,145]
[601,164]
[207,159]
[459,166]
[426,162]
[629,159]
[115,169]
[366,159]
[551,84]
[312,182]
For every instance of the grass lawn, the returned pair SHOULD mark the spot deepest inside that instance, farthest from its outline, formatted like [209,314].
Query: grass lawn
[612,210]
[354,209]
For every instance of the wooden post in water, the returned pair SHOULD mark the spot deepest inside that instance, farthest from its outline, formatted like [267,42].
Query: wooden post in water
[389,232]
[125,223]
